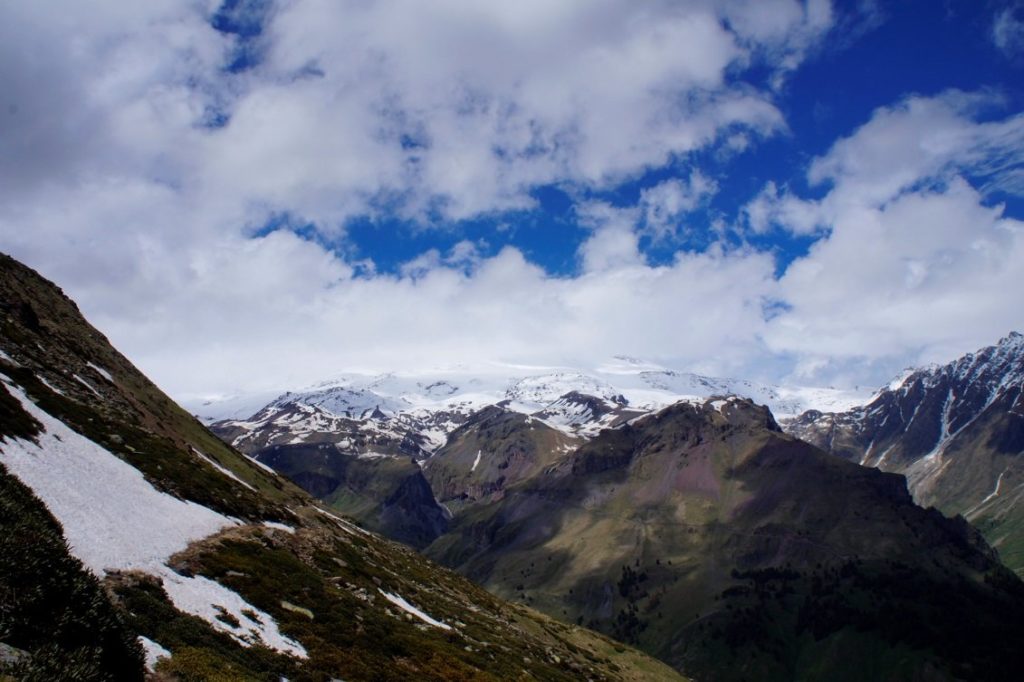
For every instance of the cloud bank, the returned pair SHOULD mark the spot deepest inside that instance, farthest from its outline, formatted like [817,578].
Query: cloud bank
[143,177]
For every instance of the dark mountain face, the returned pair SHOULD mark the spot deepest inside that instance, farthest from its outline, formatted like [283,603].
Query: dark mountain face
[494,450]
[956,432]
[388,494]
[276,588]
[709,538]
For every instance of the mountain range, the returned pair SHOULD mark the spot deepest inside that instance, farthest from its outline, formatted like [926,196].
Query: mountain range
[512,465]
[588,517]
[413,413]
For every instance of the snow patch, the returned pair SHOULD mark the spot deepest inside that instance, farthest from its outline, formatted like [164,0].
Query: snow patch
[263,466]
[409,608]
[154,652]
[374,455]
[102,372]
[346,526]
[114,519]
[994,493]
[8,358]
[476,461]
[279,526]
[87,385]
[49,385]
[207,599]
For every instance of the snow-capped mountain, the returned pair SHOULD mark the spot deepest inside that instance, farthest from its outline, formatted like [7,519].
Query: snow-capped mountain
[956,431]
[413,413]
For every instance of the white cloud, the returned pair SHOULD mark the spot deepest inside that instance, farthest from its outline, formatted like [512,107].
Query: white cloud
[922,139]
[1008,30]
[315,321]
[498,97]
[664,204]
[775,207]
[917,262]
[111,184]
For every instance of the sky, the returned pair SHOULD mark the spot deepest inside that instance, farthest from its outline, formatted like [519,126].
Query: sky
[261,194]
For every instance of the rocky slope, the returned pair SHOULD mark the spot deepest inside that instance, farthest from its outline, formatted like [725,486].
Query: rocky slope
[189,557]
[707,537]
[957,433]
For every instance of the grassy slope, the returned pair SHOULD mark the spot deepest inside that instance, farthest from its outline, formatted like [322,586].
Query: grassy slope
[322,587]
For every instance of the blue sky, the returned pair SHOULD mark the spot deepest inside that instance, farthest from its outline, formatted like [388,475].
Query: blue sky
[809,192]
[880,54]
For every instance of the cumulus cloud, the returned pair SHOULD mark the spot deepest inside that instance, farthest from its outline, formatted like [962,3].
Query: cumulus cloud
[463,107]
[917,260]
[776,207]
[923,139]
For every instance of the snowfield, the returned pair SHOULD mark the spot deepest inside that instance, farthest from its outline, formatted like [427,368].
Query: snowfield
[113,519]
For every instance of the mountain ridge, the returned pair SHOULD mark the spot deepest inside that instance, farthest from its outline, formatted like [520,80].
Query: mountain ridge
[704,534]
[955,430]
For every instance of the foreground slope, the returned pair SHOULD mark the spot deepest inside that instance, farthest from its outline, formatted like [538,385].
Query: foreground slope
[710,539]
[210,563]
[956,431]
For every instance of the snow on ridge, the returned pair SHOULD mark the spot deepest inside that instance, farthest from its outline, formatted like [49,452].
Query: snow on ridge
[412,401]
[114,519]
[409,608]
[224,470]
